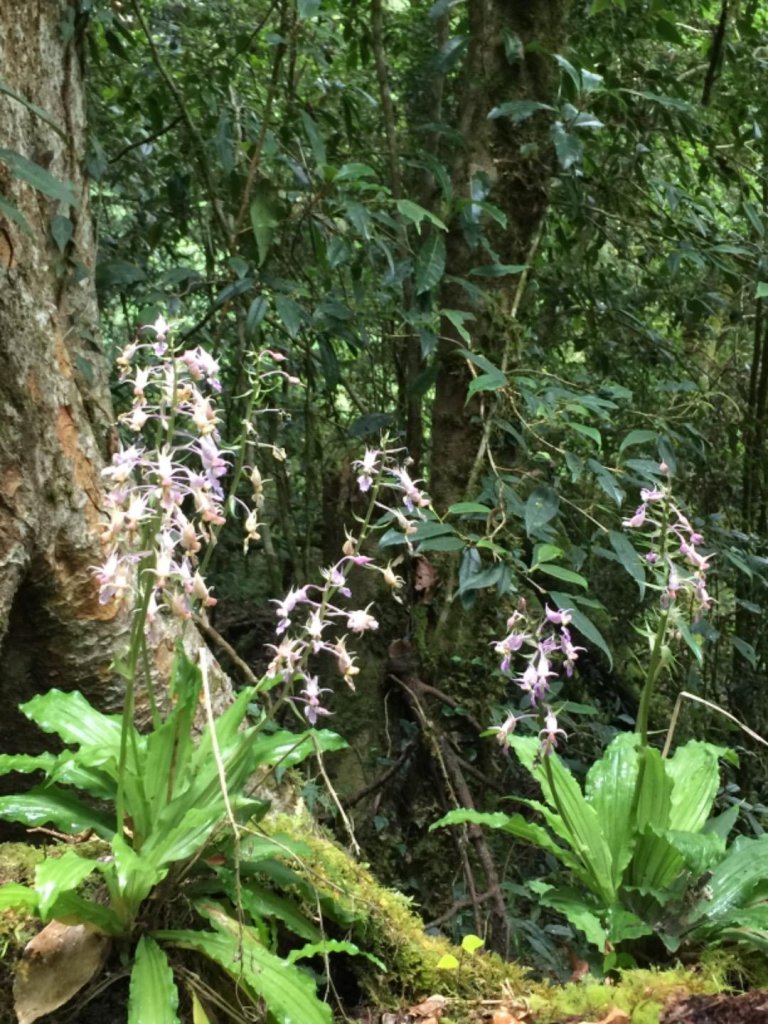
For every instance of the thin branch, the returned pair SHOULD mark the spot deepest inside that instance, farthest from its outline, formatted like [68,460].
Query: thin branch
[255,160]
[383,779]
[146,140]
[714,707]
[197,138]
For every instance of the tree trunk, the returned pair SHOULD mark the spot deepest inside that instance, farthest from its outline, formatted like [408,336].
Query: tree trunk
[56,418]
[509,165]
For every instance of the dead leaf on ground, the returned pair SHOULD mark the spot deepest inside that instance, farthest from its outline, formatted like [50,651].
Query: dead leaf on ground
[430,1011]
[55,965]
[504,1016]
[615,1016]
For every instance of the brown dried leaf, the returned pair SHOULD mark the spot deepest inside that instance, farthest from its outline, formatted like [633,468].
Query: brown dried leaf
[55,965]
[615,1016]
[431,1008]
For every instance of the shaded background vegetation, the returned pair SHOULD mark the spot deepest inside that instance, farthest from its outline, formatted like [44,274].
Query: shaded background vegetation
[529,245]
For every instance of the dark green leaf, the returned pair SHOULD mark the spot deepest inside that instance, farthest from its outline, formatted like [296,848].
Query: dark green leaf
[290,314]
[629,558]
[568,147]
[18,218]
[559,572]
[442,544]
[39,178]
[518,110]
[430,263]
[61,231]
[33,108]
[542,506]
[487,382]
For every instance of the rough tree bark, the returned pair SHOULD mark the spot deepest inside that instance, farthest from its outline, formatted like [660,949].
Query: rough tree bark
[510,166]
[56,419]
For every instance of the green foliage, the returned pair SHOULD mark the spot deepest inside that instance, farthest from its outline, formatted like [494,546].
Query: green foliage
[178,814]
[639,840]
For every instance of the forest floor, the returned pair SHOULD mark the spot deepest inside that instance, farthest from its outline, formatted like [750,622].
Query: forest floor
[744,1008]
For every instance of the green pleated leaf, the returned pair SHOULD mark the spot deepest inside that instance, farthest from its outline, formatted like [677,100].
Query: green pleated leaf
[655,862]
[135,875]
[46,805]
[26,763]
[695,773]
[623,924]
[571,904]
[56,875]
[745,864]
[700,851]
[326,946]
[18,897]
[153,997]
[610,789]
[72,908]
[260,902]
[516,825]
[581,825]
[71,717]
[288,993]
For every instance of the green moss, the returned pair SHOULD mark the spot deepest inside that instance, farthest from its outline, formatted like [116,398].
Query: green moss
[18,862]
[640,993]
[384,923]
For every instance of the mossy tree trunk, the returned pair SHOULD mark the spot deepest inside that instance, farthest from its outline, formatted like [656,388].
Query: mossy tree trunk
[56,420]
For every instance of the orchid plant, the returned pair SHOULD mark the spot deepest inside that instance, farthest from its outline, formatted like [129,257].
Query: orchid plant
[648,861]
[184,794]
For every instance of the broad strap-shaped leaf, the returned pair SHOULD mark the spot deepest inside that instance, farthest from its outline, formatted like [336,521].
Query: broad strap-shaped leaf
[655,862]
[69,772]
[517,826]
[573,906]
[14,896]
[71,717]
[25,763]
[161,765]
[153,997]
[261,902]
[584,832]
[45,805]
[564,853]
[131,876]
[168,844]
[743,867]
[72,908]
[288,993]
[57,875]
[701,851]
[623,924]
[695,774]
[325,946]
[610,788]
